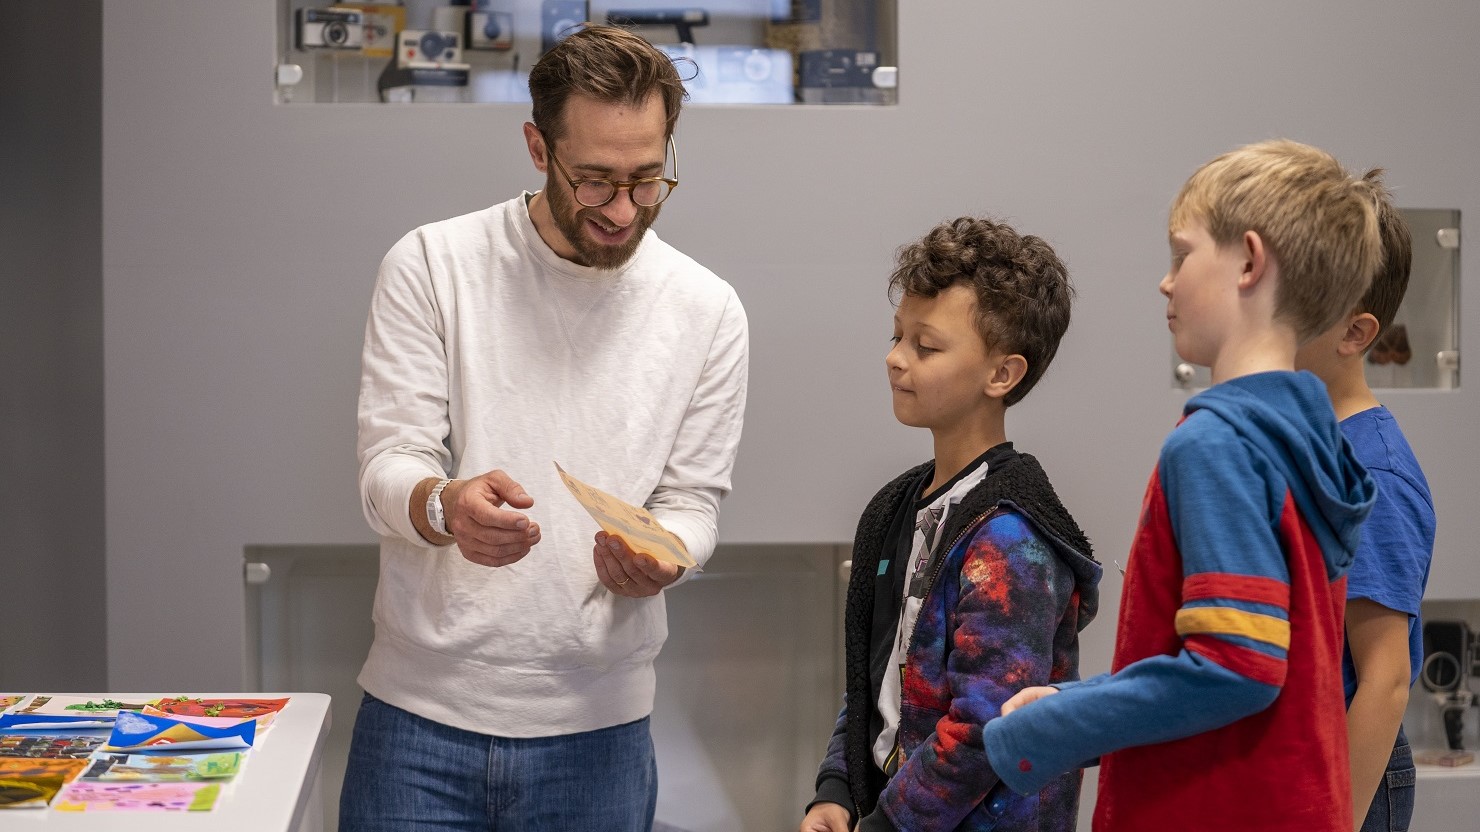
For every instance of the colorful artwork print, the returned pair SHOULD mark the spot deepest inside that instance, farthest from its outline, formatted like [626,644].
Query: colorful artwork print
[94,796]
[136,732]
[7,702]
[78,706]
[164,768]
[237,708]
[634,524]
[47,746]
[31,784]
[263,721]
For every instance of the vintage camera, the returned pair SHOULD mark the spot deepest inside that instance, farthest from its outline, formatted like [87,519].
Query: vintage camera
[489,29]
[417,48]
[331,29]
[734,74]
[683,21]
[559,18]
[1449,660]
[740,65]
[845,76]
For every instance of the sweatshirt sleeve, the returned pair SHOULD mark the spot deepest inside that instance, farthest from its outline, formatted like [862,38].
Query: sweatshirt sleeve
[403,416]
[697,474]
[1222,504]
[1013,592]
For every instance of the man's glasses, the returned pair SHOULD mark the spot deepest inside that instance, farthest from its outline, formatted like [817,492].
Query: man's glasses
[646,192]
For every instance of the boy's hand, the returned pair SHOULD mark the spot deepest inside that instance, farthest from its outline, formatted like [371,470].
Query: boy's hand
[1026,696]
[826,817]
[633,574]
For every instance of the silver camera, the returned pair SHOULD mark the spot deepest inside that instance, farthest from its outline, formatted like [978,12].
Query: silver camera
[331,29]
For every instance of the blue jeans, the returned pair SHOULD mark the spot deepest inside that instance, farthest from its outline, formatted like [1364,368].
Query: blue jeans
[409,773]
[1392,807]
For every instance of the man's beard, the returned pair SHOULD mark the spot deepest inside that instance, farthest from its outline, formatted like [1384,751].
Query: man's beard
[570,219]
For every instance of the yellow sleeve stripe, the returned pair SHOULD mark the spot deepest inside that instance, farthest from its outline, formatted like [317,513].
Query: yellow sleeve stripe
[1227,621]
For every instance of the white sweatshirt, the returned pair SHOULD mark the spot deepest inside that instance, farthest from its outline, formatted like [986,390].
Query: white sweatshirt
[484,350]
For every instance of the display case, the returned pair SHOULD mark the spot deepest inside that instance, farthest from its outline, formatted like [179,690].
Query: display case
[480,51]
[1421,347]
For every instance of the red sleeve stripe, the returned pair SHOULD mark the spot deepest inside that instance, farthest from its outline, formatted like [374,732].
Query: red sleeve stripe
[1252,664]
[1237,588]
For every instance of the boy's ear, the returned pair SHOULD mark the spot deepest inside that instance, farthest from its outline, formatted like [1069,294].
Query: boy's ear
[1009,371]
[1256,260]
[1361,331]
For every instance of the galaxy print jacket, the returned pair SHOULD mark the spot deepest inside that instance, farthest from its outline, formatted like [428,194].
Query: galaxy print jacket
[1013,583]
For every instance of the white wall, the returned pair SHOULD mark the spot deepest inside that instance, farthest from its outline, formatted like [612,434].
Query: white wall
[241,241]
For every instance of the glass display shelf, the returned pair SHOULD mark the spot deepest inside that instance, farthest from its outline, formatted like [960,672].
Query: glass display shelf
[1421,348]
[480,51]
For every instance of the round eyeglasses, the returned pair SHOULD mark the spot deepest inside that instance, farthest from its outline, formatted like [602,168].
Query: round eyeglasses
[647,192]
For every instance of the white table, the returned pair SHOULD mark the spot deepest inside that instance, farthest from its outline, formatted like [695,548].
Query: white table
[276,791]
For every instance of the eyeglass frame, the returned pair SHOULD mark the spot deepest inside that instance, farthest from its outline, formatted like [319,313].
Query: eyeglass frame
[617,187]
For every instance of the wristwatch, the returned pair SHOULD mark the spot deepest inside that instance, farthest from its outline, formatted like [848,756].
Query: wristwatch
[435,517]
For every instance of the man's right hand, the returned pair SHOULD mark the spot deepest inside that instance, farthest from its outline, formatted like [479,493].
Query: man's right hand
[486,532]
[826,817]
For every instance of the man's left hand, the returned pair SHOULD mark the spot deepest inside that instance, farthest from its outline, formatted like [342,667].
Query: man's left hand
[629,573]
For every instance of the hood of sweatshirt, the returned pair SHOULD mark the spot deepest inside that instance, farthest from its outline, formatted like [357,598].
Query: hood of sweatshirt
[1288,418]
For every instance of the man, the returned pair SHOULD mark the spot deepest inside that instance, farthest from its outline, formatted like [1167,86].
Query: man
[511,677]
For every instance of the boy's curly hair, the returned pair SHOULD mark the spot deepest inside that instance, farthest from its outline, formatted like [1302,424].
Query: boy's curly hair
[1022,288]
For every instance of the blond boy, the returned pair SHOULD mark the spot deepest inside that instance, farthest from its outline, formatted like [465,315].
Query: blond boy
[1223,708]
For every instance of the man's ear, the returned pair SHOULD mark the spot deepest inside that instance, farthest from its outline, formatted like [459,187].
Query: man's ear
[1256,260]
[1009,371]
[1360,332]
[537,151]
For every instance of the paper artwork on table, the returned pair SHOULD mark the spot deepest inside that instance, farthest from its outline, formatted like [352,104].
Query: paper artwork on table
[53,724]
[46,746]
[8,702]
[95,796]
[31,784]
[263,721]
[233,708]
[141,732]
[98,706]
[163,768]
[634,524]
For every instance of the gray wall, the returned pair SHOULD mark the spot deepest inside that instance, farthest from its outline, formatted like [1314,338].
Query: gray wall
[241,241]
[51,347]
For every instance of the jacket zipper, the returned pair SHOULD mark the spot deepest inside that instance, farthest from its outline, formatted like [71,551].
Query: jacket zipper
[929,586]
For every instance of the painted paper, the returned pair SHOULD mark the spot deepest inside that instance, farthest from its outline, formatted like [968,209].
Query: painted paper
[137,731]
[48,746]
[96,706]
[634,524]
[31,784]
[162,768]
[95,796]
[237,708]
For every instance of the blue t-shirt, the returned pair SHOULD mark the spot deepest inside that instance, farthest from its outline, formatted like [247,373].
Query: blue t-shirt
[1392,562]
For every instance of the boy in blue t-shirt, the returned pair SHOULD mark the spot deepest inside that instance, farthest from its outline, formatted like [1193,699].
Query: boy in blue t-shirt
[1391,568]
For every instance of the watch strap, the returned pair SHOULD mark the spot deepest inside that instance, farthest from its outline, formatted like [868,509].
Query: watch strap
[435,515]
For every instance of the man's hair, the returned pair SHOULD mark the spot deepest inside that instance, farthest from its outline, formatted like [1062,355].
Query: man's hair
[1318,223]
[1390,283]
[1022,288]
[608,64]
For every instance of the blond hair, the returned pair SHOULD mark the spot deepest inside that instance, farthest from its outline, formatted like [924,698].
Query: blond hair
[1318,222]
